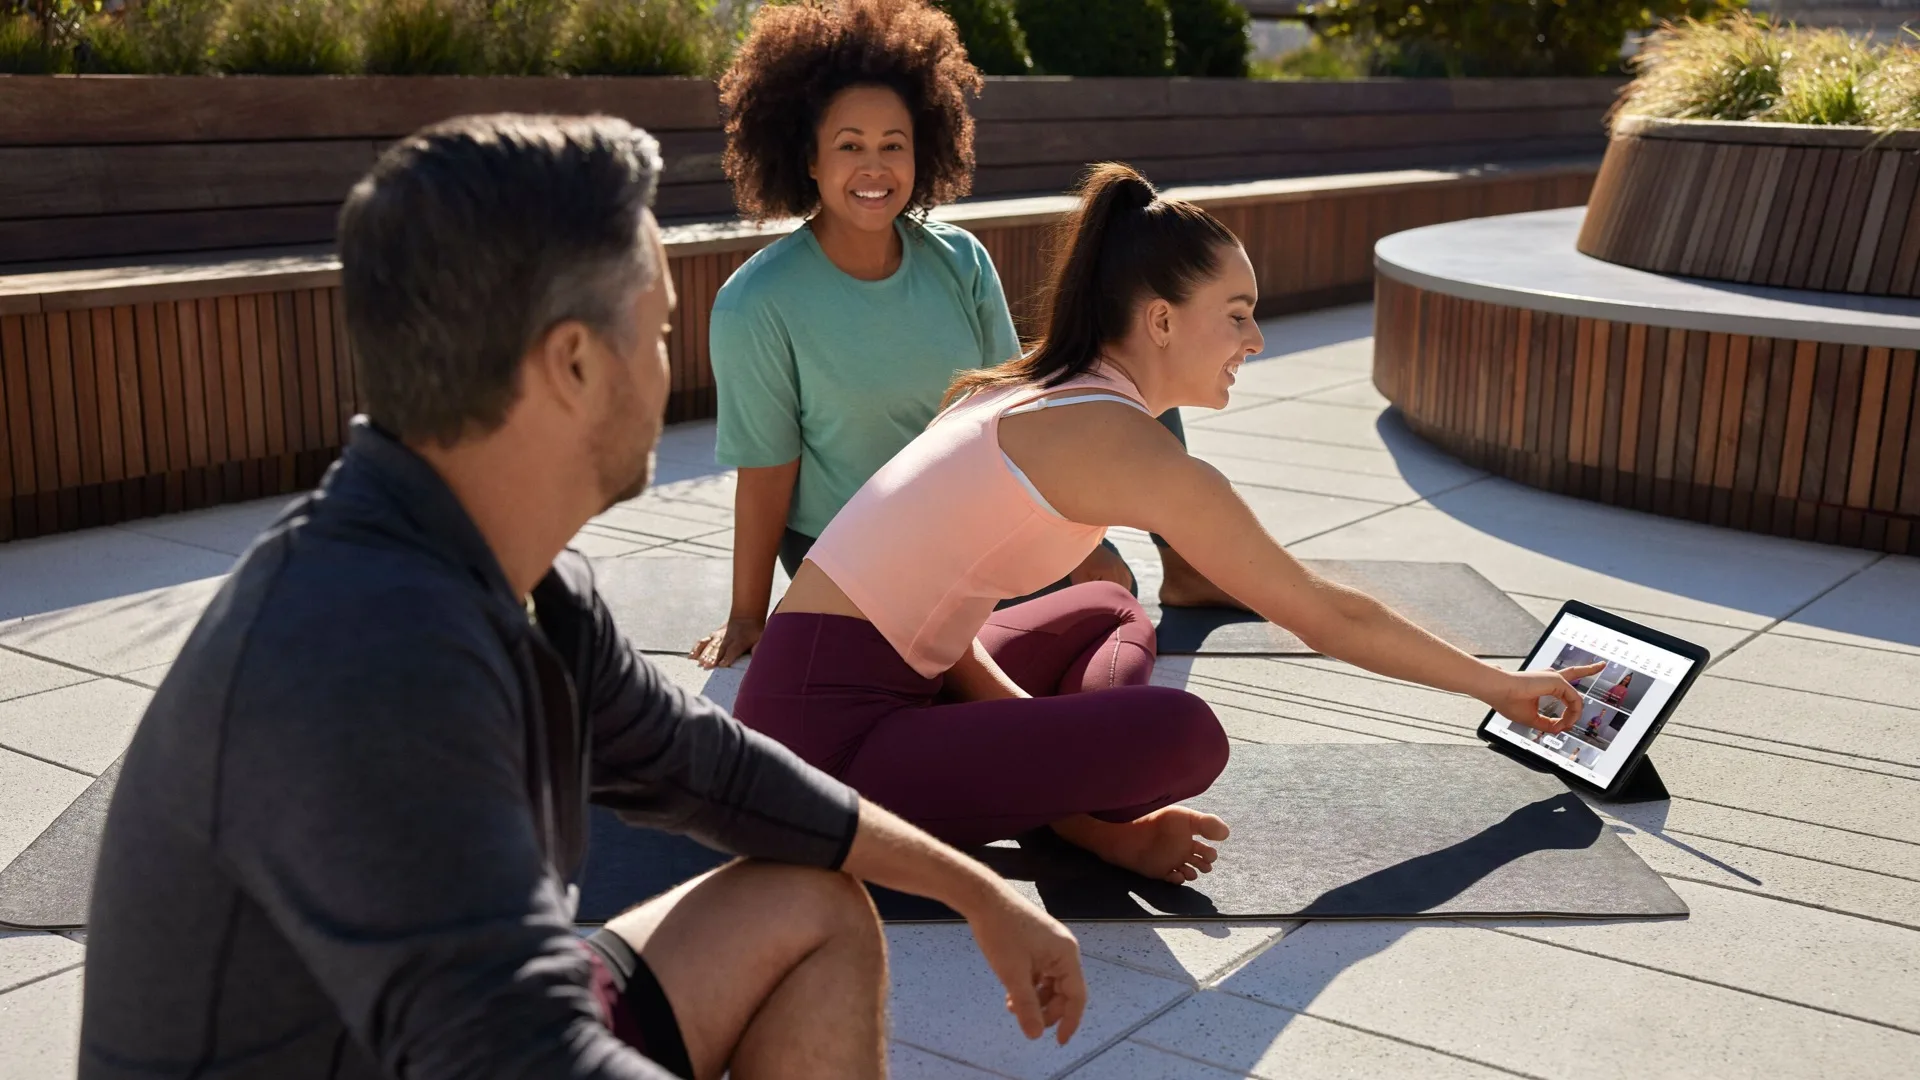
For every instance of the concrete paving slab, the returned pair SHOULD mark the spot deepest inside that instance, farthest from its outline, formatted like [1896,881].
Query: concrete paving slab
[718,686]
[228,529]
[1419,472]
[1875,609]
[1312,421]
[912,1063]
[1328,336]
[1251,1038]
[1287,377]
[1825,667]
[690,499]
[32,794]
[53,573]
[150,676]
[1193,954]
[1693,820]
[608,544]
[1268,725]
[26,955]
[1251,472]
[83,727]
[1866,970]
[691,442]
[945,999]
[1879,896]
[1520,1004]
[1531,542]
[651,522]
[1326,691]
[23,675]
[40,1028]
[1740,711]
[1292,516]
[118,635]
[1808,791]
[1358,395]
[1136,1061]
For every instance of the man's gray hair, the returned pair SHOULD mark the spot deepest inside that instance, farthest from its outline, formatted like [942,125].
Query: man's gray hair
[470,240]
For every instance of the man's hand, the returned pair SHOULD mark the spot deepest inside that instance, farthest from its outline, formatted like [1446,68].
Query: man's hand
[1037,960]
[1105,564]
[729,643]
[1518,698]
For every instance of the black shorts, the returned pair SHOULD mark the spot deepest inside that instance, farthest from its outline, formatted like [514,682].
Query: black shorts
[637,1010]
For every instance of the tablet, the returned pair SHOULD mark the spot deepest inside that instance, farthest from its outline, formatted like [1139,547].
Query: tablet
[1622,707]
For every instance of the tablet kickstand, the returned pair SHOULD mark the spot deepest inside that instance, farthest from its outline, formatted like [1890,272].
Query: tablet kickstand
[1643,785]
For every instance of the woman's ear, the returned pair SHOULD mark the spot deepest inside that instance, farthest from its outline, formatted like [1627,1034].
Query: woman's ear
[1160,322]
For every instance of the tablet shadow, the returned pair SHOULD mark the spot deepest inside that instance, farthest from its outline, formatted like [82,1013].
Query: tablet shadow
[1425,882]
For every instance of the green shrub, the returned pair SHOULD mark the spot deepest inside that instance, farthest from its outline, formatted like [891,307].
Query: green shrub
[287,37]
[1317,59]
[1743,68]
[644,37]
[1210,38]
[37,39]
[1892,90]
[1499,37]
[1728,69]
[153,37]
[1820,83]
[521,35]
[426,37]
[1098,37]
[995,43]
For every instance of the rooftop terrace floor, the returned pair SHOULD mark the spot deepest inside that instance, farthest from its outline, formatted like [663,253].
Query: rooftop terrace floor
[1794,835]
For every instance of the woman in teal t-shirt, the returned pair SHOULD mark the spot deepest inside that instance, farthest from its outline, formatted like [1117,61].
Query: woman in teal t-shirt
[832,346]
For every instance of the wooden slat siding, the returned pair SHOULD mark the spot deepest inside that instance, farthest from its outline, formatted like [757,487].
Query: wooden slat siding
[232,364]
[18,455]
[1796,438]
[1801,216]
[66,435]
[86,405]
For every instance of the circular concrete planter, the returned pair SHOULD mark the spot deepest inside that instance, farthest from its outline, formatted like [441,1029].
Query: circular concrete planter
[1787,205]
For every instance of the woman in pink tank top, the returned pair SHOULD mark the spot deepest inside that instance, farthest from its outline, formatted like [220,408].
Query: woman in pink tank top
[887,664]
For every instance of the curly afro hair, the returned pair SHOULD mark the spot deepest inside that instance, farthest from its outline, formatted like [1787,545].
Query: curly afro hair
[798,56]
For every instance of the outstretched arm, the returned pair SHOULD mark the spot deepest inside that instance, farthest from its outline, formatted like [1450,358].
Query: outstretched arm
[762,498]
[1112,465]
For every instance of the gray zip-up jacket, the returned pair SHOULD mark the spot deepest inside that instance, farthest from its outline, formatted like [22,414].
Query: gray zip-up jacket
[342,836]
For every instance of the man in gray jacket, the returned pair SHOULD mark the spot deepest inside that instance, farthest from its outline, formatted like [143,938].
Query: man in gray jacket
[343,837]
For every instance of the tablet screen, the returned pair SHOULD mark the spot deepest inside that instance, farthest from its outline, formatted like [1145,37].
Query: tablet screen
[1618,705]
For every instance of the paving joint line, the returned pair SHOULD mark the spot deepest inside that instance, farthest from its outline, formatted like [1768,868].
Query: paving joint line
[1777,898]
[42,978]
[944,1056]
[57,662]
[1776,851]
[1812,600]
[1704,981]
[48,761]
[1350,1026]
[1798,821]
[1817,693]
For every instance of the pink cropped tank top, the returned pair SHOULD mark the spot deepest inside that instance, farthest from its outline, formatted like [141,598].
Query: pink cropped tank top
[950,527]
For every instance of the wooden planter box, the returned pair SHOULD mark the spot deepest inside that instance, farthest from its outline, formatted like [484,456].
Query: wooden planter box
[117,166]
[1788,205]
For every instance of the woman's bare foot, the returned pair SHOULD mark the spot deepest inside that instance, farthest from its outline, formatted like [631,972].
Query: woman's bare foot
[1183,586]
[1165,845]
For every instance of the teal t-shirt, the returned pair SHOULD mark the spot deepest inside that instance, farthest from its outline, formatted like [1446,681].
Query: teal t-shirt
[814,364]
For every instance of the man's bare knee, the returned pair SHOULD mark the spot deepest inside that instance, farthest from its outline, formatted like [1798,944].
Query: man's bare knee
[829,904]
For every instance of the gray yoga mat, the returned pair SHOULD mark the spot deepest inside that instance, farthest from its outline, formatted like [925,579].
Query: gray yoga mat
[664,605]
[49,885]
[1323,831]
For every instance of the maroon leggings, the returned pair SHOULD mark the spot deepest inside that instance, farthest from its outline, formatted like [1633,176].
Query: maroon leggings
[1094,739]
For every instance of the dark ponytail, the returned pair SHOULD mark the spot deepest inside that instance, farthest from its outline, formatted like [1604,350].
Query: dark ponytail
[1122,245]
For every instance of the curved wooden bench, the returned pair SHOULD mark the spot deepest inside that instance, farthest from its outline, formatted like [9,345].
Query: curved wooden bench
[1792,413]
[128,391]
[1787,205]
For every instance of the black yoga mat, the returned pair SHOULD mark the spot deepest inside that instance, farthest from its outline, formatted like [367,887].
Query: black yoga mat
[1323,831]
[49,885]
[1451,599]
[664,605]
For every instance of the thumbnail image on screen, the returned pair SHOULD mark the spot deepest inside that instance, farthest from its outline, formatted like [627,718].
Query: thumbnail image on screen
[1618,704]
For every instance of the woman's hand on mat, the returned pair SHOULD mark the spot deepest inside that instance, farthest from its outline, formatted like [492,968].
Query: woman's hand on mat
[1105,564]
[729,643]
[1521,692]
[1036,959]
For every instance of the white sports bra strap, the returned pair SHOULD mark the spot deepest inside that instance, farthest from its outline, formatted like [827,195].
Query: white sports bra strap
[1045,403]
